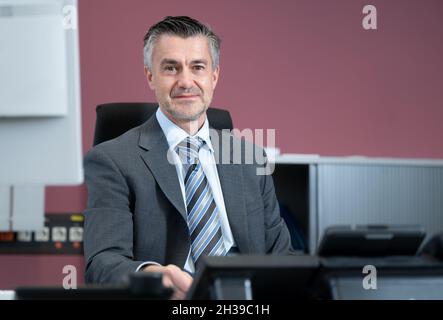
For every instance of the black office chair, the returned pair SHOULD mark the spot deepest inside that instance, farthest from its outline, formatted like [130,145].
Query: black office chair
[114,119]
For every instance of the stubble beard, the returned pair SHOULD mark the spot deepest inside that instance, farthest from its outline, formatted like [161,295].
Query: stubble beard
[183,116]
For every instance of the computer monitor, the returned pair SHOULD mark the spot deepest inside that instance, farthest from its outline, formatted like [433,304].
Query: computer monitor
[40,122]
[138,285]
[371,240]
[247,277]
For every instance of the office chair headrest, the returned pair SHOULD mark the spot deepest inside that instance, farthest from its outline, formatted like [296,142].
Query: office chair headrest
[114,119]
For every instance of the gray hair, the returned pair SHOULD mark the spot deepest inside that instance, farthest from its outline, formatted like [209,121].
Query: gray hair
[184,27]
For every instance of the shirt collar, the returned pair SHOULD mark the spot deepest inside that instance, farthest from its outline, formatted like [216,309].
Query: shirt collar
[174,134]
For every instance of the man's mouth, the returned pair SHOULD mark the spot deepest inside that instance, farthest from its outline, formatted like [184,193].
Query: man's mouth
[186,97]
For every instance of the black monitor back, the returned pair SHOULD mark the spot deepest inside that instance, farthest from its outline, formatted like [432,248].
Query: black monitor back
[271,277]
[371,240]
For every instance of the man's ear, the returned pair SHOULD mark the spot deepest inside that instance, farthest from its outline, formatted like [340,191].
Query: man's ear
[215,75]
[149,75]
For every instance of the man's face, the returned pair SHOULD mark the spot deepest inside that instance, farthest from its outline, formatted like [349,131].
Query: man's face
[182,77]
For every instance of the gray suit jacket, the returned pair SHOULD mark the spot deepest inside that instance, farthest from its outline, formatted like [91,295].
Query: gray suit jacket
[136,212]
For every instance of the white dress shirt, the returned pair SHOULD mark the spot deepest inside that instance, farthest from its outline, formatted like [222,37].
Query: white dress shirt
[174,136]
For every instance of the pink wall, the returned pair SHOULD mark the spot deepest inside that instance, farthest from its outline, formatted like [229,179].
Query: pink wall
[33,270]
[306,68]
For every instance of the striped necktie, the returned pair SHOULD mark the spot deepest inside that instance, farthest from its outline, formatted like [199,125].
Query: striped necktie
[203,216]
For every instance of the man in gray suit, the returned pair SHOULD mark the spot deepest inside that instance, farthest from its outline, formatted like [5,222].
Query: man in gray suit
[159,198]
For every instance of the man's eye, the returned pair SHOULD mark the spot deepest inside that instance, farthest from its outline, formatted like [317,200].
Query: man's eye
[169,68]
[198,67]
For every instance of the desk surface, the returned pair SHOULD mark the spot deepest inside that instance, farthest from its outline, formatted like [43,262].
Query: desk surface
[292,158]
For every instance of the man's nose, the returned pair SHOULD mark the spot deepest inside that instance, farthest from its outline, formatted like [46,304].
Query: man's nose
[185,79]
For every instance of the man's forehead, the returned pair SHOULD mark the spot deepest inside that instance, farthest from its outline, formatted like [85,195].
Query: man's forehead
[172,47]
[193,61]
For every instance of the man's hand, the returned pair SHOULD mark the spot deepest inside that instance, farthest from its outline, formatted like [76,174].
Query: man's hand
[173,277]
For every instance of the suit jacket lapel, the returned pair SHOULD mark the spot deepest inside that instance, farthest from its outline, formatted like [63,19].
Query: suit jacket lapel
[231,182]
[156,147]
